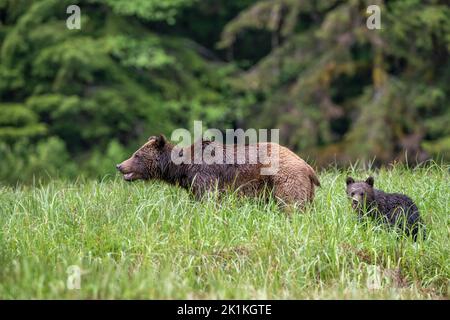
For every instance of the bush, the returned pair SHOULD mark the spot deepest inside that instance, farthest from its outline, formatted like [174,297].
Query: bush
[23,161]
[101,163]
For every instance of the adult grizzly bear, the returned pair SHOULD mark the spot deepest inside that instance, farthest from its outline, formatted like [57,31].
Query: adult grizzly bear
[235,167]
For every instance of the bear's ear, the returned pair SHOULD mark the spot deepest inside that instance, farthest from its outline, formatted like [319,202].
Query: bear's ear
[160,141]
[370,181]
[349,180]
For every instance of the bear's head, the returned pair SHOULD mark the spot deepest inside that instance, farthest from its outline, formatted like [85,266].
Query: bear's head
[360,192]
[147,162]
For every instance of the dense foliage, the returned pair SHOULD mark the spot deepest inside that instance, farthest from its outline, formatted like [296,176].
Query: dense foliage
[77,101]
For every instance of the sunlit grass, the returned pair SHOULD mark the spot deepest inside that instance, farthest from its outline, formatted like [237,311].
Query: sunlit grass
[152,240]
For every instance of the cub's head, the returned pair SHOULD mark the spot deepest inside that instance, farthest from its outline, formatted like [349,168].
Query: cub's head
[147,162]
[360,192]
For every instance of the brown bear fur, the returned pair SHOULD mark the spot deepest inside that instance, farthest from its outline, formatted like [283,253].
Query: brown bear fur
[293,184]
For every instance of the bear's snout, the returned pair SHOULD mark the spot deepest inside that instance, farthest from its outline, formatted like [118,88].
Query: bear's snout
[127,169]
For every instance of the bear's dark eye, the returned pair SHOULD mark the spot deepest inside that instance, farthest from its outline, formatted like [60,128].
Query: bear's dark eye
[361,194]
[352,194]
[137,156]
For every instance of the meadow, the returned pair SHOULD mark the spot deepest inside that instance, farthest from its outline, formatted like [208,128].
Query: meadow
[149,240]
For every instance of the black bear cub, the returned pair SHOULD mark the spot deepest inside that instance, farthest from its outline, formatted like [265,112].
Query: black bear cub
[394,209]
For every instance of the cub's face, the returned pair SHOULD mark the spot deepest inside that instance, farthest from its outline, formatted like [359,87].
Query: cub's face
[360,192]
[145,162]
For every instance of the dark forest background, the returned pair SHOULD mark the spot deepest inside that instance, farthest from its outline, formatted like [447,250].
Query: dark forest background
[78,101]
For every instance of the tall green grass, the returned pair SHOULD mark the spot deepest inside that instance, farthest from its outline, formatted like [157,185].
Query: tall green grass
[151,240]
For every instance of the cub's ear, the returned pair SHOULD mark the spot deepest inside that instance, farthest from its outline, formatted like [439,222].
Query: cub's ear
[349,180]
[370,181]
